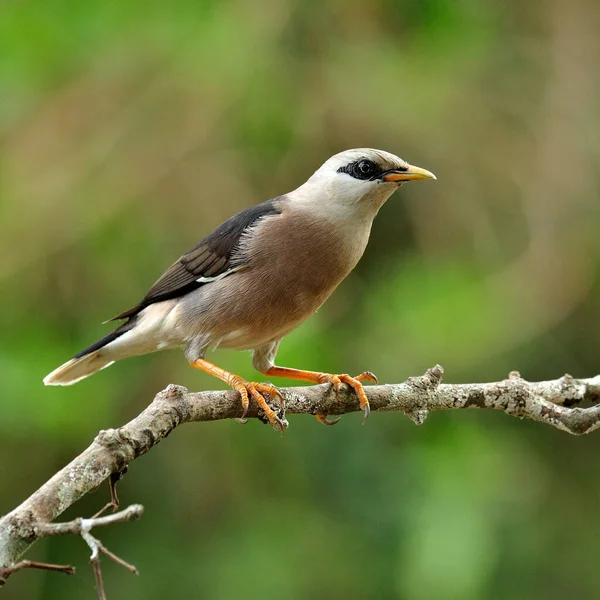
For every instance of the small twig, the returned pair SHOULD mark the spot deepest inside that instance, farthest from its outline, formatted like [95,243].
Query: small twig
[6,572]
[97,548]
[83,527]
[80,526]
[114,498]
[98,578]
[131,568]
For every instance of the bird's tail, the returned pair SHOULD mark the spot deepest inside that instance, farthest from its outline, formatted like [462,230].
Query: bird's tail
[94,358]
[77,369]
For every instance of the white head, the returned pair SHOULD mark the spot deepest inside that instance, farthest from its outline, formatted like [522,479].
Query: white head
[362,178]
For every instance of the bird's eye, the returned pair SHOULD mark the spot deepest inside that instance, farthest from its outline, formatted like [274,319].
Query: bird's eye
[365,168]
[361,169]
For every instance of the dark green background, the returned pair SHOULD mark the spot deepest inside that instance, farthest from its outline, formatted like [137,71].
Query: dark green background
[129,130]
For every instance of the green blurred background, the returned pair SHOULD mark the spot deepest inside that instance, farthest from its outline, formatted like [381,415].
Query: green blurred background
[129,130]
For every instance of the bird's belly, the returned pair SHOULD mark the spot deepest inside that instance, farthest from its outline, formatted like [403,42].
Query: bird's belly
[273,318]
[238,314]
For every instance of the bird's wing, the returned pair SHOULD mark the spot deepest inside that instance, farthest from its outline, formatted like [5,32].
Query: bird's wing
[208,261]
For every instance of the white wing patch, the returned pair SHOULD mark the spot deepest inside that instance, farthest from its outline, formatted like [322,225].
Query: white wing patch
[217,277]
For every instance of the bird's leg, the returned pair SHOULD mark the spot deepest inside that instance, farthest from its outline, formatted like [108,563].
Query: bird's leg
[245,388]
[336,380]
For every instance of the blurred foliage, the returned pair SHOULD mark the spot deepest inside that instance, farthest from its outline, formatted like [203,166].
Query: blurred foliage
[129,130]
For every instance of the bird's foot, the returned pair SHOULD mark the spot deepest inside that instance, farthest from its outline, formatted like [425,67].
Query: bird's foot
[355,383]
[247,389]
[335,380]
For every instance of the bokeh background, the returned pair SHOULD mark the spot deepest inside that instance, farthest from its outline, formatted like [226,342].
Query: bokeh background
[129,130]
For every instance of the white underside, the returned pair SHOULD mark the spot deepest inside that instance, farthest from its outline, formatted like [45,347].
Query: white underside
[155,329]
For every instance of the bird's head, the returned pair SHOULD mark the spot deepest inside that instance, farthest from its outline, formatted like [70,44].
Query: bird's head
[362,177]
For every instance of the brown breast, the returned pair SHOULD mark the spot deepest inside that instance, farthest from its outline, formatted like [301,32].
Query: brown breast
[299,261]
[295,262]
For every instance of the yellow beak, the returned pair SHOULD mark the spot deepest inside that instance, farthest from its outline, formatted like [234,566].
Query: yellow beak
[411,174]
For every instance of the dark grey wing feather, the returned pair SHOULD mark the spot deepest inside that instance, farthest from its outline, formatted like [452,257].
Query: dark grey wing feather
[208,259]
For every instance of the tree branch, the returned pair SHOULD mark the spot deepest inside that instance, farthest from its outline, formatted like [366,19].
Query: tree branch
[550,402]
[6,572]
[83,527]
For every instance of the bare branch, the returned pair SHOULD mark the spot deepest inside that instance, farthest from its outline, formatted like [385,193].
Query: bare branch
[114,498]
[551,402]
[82,526]
[6,572]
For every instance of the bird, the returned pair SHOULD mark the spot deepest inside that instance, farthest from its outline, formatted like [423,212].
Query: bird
[257,277]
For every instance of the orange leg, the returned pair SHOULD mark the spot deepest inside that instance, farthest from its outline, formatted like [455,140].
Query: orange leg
[336,380]
[243,387]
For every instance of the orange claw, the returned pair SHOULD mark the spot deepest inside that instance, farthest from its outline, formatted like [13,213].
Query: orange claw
[255,391]
[270,390]
[355,384]
[323,419]
[335,380]
[367,376]
[246,389]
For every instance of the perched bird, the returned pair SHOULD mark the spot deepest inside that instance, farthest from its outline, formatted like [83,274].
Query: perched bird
[257,277]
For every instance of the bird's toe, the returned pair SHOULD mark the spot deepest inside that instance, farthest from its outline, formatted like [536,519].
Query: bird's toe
[326,421]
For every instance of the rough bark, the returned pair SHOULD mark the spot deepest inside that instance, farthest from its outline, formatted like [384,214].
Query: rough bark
[550,402]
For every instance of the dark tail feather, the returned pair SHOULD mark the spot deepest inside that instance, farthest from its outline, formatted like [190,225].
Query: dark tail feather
[128,314]
[88,361]
[107,339]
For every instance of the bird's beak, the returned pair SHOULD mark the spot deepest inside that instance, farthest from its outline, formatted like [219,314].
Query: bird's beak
[411,174]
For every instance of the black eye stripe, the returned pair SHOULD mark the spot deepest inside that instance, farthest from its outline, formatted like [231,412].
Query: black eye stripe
[363,169]
[366,170]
